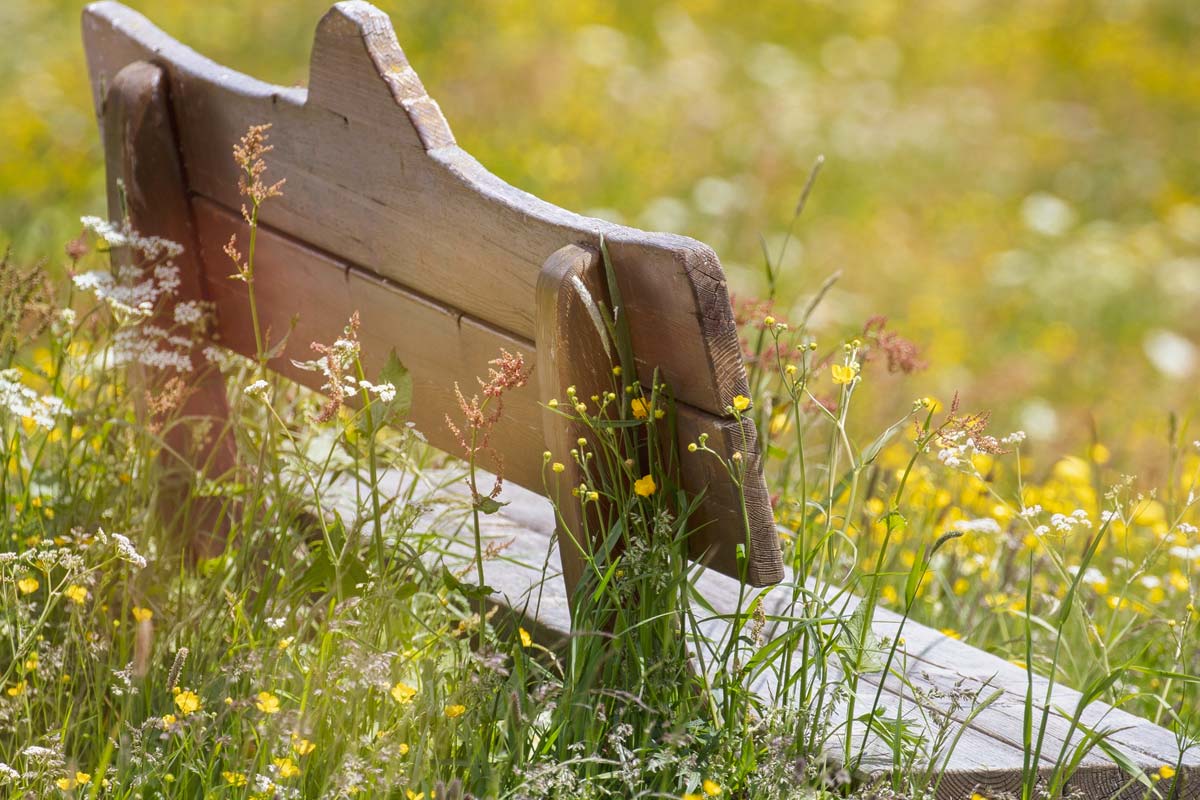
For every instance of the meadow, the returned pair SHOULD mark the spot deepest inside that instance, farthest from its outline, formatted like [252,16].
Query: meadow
[971,359]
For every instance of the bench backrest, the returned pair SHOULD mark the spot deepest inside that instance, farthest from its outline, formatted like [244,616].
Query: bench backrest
[385,215]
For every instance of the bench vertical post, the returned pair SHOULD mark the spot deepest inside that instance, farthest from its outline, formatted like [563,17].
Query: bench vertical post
[572,351]
[146,185]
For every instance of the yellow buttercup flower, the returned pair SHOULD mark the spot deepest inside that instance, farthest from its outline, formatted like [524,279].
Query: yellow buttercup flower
[741,403]
[711,788]
[843,373]
[404,748]
[1166,772]
[28,585]
[188,702]
[402,692]
[142,614]
[267,703]
[526,639]
[16,690]
[76,594]
[638,405]
[645,486]
[287,768]
[302,747]
[453,711]
[234,778]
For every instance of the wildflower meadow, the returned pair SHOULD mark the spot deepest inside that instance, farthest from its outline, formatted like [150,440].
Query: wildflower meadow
[963,249]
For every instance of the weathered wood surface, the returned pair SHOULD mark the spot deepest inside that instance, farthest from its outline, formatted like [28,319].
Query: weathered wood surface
[146,183]
[385,214]
[989,757]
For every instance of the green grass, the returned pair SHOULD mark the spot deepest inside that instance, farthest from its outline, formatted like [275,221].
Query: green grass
[317,644]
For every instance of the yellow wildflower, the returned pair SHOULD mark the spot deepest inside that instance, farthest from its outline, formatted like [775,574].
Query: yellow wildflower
[691,796]
[284,644]
[301,746]
[404,748]
[28,584]
[16,690]
[741,402]
[557,466]
[234,778]
[711,788]
[142,614]
[287,768]
[843,373]
[645,486]
[168,720]
[402,692]
[188,702]
[1166,772]
[411,795]
[453,711]
[526,639]
[638,405]
[76,594]
[267,703]
[69,783]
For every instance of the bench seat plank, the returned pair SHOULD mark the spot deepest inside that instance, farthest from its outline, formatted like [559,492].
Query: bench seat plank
[989,757]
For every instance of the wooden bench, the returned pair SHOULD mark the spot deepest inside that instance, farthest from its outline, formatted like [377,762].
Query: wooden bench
[931,671]
[385,216]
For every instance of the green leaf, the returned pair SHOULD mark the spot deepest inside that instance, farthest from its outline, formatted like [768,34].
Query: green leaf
[863,647]
[395,373]
[489,505]
[472,591]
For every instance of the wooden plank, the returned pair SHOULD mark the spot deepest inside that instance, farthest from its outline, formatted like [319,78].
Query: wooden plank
[373,175]
[989,757]
[441,345]
[146,182]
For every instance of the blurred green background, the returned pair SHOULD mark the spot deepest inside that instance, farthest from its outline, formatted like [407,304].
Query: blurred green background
[1015,185]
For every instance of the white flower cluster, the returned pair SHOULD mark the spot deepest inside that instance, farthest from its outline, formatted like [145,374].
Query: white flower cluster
[42,755]
[23,402]
[1186,553]
[384,391]
[257,390]
[981,525]
[129,291]
[1065,524]
[123,235]
[189,312]
[342,354]
[152,346]
[125,549]
[1091,575]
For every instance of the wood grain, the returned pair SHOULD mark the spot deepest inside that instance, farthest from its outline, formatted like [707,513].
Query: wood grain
[414,207]
[988,758]
[308,296]
[381,204]
[146,182]
[572,351]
